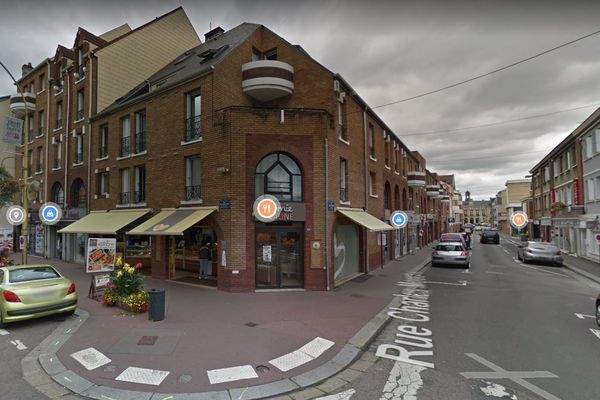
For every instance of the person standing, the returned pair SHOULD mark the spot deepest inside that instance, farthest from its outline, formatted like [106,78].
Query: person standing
[204,260]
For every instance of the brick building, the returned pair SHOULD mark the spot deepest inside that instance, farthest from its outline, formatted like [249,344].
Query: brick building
[177,162]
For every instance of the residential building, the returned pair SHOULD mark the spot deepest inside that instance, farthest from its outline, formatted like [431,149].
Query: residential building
[8,159]
[477,212]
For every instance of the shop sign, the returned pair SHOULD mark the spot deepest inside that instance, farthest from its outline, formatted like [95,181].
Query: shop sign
[13,129]
[577,192]
[266,208]
[74,213]
[101,255]
[292,212]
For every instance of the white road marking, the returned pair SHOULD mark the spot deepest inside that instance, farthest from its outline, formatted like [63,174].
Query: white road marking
[143,375]
[231,374]
[403,382]
[493,389]
[304,354]
[19,344]
[91,358]
[543,270]
[494,272]
[460,283]
[3,332]
[466,271]
[596,332]
[583,316]
[339,396]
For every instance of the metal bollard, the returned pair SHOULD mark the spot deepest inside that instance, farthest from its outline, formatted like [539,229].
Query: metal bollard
[156,312]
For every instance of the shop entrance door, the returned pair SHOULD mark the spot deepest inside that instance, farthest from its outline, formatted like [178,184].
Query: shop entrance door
[279,257]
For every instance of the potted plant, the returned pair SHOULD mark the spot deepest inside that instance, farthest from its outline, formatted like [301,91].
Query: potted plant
[126,288]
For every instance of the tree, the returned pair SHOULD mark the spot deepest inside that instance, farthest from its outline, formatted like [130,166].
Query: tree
[9,187]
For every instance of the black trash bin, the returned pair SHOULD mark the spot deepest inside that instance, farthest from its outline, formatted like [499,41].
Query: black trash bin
[156,312]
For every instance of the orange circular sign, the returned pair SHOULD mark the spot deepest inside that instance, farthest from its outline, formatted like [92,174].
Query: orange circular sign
[267,208]
[519,219]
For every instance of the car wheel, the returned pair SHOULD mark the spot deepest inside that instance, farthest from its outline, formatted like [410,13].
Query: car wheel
[433,265]
[468,266]
[598,313]
[2,323]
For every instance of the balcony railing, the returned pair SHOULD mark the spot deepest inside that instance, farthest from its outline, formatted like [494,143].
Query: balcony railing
[103,152]
[343,194]
[192,193]
[193,128]
[140,196]
[79,158]
[140,142]
[124,198]
[79,115]
[125,149]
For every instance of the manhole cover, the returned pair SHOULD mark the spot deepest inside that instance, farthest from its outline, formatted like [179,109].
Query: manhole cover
[251,324]
[184,379]
[263,369]
[147,341]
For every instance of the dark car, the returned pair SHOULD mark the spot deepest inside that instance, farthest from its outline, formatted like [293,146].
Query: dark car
[598,310]
[489,237]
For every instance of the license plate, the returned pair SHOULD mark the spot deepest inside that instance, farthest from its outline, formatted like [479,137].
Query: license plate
[45,295]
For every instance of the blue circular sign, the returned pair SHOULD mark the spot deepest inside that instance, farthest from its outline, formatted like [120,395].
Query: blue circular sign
[50,213]
[399,219]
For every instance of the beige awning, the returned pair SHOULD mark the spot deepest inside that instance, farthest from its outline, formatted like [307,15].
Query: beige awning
[105,222]
[172,221]
[365,219]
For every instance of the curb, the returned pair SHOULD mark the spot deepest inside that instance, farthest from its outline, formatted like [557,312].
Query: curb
[43,370]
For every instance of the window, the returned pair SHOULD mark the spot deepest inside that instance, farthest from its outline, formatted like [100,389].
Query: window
[80,99]
[41,123]
[125,137]
[78,193]
[386,149]
[568,159]
[58,195]
[30,127]
[588,146]
[546,174]
[396,158]
[124,196]
[78,149]
[140,184]
[140,132]
[590,189]
[59,112]
[57,153]
[103,181]
[342,119]
[279,175]
[372,184]
[569,193]
[371,140]
[596,188]
[80,64]
[29,162]
[194,117]
[556,167]
[271,54]
[387,196]
[343,180]
[192,178]
[597,141]
[40,159]
[42,83]
[103,141]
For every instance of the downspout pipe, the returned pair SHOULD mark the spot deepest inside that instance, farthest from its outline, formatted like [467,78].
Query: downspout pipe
[366,161]
[47,156]
[89,124]
[65,197]
[326,241]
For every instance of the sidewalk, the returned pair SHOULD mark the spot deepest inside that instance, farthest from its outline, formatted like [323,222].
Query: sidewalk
[580,265]
[208,330]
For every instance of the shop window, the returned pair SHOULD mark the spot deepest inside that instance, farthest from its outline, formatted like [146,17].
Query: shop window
[279,175]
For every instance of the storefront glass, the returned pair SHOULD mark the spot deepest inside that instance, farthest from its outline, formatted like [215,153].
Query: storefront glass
[279,256]
[346,252]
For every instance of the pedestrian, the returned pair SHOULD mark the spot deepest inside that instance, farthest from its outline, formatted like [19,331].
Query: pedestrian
[204,260]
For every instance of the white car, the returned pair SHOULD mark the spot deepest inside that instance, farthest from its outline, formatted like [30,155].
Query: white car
[450,253]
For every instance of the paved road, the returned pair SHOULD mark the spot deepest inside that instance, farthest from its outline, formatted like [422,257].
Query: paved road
[500,330]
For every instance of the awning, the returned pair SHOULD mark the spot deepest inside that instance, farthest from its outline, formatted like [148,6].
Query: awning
[365,219]
[172,221]
[105,222]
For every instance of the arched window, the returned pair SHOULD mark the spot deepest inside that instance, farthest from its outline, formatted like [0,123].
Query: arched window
[387,196]
[78,193]
[279,175]
[58,195]
[397,198]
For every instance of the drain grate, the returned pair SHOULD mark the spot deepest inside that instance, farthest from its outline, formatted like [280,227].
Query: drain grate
[147,341]
[184,379]
[263,369]
[251,324]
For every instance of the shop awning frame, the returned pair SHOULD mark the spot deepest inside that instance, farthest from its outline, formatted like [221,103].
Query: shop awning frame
[172,221]
[105,222]
[365,219]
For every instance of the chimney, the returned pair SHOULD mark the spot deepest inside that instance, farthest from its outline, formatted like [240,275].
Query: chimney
[25,69]
[213,33]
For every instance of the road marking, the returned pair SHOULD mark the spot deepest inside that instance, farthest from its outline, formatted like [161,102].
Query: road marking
[231,374]
[494,272]
[3,332]
[460,283]
[304,354]
[582,316]
[543,270]
[403,382]
[493,389]
[143,375]
[339,396]
[596,332]
[466,271]
[91,358]
[19,344]
[515,376]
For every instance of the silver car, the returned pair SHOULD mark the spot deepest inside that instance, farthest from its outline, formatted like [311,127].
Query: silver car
[450,253]
[541,252]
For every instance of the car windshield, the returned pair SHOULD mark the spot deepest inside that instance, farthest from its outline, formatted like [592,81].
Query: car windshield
[449,247]
[32,274]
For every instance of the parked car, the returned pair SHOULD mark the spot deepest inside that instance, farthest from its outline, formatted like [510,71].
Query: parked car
[598,310]
[453,237]
[32,291]
[540,252]
[489,237]
[450,253]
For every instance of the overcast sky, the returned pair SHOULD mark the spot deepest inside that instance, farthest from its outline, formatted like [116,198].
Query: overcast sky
[389,51]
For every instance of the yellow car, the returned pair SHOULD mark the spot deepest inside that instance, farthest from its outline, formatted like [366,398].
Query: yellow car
[32,291]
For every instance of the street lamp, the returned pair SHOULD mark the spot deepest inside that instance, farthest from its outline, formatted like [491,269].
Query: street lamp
[25,230]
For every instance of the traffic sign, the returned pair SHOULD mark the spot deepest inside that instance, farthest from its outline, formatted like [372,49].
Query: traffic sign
[399,219]
[50,213]
[15,215]
[519,219]
[598,238]
[451,220]
[267,208]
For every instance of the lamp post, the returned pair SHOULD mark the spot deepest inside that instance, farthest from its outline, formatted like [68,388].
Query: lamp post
[25,230]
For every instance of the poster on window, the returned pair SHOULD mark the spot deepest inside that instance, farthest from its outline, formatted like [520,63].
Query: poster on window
[101,255]
[39,239]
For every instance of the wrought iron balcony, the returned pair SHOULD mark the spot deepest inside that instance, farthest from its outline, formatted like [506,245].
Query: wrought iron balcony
[79,115]
[192,193]
[103,152]
[267,80]
[57,162]
[79,158]
[343,194]
[140,196]
[125,148]
[124,198]
[140,142]
[193,129]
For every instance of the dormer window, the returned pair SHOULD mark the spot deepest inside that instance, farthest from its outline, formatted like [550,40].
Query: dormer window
[271,55]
